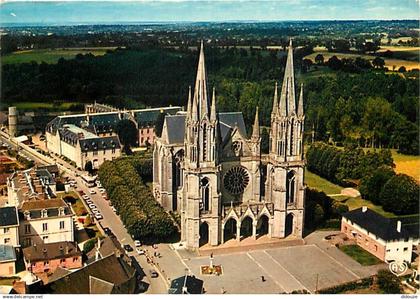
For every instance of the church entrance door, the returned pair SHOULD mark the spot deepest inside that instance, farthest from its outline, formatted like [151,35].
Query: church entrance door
[229,232]
[262,226]
[246,227]
[289,225]
[204,234]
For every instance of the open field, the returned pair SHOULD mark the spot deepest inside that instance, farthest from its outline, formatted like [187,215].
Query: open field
[402,52]
[51,55]
[321,184]
[390,63]
[407,164]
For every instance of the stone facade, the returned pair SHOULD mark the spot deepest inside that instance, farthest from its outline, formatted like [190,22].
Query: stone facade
[206,168]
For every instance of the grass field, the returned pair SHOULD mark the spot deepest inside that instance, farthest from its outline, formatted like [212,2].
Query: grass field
[389,62]
[321,184]
[360,255]
[409,165]
[50,55]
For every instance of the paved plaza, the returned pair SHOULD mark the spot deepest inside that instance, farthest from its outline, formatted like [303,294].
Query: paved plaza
[313,266]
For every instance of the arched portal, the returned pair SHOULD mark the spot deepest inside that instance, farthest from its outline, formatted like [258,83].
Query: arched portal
[204,234]
[262,226]
[229,231]
[289,225]
[246,227]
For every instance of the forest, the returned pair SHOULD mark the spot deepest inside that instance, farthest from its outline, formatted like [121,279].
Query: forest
[363,104]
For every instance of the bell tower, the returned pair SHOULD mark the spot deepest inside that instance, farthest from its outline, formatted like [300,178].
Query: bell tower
[285,168]
[201,200]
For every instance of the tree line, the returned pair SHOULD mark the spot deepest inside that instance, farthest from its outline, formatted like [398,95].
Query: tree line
[139,211]
[396,193]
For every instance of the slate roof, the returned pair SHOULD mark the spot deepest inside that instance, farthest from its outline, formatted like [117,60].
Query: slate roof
[111,270]
[192,284]
[150,116]
[99,143]
[382,227]
[228,121]
[35,207]
[7,253]
[8,216]
[51,251]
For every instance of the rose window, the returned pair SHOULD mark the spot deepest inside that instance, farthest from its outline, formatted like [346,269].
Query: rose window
[236,180]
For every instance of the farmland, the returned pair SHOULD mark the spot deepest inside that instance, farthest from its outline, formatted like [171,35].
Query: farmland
[403,56]
[51,55]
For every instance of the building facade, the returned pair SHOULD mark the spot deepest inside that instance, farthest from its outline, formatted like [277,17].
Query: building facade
[208,169]
[9,226]
[383,237]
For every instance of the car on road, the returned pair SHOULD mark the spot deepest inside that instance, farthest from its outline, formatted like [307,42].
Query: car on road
[102,190]
[153,274]
[91,191]
[108,231]
[128,248]
[139,251]
[113,209]
[137,243]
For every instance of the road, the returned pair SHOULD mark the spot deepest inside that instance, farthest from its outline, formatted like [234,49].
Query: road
[156,285]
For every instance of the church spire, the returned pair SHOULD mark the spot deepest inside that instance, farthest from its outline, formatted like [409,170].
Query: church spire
[288,87]
[189,103]
[300,105]
[200,89]
[213,112]
[275,101]
[256,127]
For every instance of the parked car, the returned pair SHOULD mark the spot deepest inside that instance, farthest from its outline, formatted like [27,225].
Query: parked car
[153,274]
[89,202]
[128,248]
[85,197]
[95,210]
[137,243]
[139,251]
[92,206]
[98,216]
[91,191]
[108,231]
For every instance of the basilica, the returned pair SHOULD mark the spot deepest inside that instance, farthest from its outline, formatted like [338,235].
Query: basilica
[209,170]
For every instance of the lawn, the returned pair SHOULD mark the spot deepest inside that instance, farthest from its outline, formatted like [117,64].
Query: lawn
[389,62]
[407,164]
[51,55]
[358,202]
[360,255]
[76,203]
[316,182]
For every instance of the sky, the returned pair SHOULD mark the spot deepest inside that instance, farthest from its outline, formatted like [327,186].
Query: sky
[115,11]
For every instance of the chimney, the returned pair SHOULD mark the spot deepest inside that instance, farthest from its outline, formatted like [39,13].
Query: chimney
[399,226]
[364,209]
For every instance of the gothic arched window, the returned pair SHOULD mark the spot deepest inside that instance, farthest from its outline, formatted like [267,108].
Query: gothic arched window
[290,187]
[178,158]
[205,194]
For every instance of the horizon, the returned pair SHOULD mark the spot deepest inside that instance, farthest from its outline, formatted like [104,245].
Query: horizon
[114,12]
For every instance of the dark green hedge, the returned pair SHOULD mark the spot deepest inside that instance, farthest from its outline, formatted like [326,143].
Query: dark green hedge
[353,285]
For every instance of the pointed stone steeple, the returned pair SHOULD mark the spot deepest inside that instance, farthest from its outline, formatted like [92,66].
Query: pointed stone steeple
[300,105]
[189,103]
[283,99]
[256,127]
[200,90]
[213,115]
[275,101]
[288,87]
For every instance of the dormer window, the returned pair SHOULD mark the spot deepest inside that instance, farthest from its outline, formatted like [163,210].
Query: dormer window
[44,213]
[61,211]
[27,215]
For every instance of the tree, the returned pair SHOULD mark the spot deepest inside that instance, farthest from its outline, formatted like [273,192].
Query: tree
[334,63]
[127,133]
[319,59]
[378,62]
[371,185]
[89,245]
[89,167]
[400,195]
[388,282]
[402,69]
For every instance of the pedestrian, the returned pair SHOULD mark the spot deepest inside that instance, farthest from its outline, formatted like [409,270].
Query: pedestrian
[262,278]
[222,290]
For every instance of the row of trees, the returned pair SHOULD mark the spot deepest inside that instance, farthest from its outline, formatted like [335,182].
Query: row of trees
[338,165]
[397,193]
[139,211]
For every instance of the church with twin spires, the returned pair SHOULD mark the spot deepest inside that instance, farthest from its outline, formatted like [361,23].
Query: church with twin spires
[208,170]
